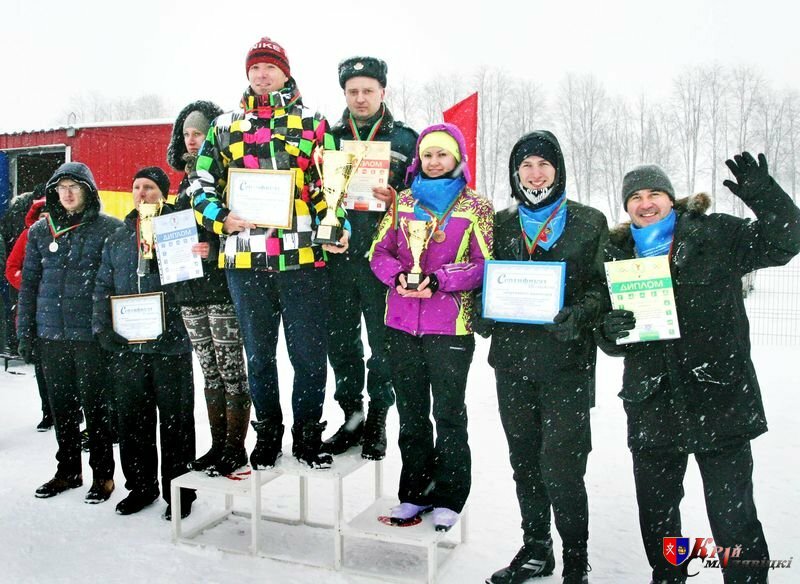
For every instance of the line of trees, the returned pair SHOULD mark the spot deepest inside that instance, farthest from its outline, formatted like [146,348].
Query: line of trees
[712,112]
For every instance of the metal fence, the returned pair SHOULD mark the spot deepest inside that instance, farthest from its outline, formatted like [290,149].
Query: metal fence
[772,300]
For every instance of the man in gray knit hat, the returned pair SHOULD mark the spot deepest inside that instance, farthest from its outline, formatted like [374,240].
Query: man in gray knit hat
[699,393]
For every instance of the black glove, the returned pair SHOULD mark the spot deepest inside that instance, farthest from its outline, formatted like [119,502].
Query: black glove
[433,283]
[567,324]
[483,326]
[26,349]
[112,341]
[752,178]
[617,323]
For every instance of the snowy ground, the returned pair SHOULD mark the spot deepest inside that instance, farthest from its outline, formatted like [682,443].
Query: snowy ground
[64,540]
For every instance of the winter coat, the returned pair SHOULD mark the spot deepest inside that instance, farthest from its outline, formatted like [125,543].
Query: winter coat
[403,141]
[457,263]
[581,247]
[17,255]
[700,392]
[176,151]
[55,299]
[118,276]
[274,131]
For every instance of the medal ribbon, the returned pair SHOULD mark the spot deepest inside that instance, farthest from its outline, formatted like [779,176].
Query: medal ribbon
[440,220]
[372,133]
[56,232]
[532,244]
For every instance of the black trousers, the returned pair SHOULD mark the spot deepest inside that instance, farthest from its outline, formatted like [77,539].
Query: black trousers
[74,371]
[548,430]
[354,290]
[436,473]
[728,487]
[154,389]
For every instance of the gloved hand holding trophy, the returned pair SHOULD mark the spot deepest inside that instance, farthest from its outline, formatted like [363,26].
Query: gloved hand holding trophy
[418,234]
[337,170]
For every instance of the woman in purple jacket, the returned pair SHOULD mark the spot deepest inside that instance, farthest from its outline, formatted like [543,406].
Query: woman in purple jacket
[430,337]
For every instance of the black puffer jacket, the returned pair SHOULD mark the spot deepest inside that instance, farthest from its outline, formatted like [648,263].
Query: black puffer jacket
[581,246]
[55,300]
[403,142]
[118,276]
[700,391]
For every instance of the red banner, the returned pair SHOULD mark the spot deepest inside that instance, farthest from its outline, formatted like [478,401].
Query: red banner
[465,115]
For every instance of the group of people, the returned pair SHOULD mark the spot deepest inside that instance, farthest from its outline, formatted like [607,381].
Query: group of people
[697,394]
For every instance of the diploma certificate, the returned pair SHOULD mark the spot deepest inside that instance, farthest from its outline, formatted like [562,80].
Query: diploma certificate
[524,292]
[644,286]
[175,233]
[138,317]
[372,172]
[263,197]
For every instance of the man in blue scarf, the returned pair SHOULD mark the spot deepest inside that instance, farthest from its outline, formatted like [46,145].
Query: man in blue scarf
[699,393]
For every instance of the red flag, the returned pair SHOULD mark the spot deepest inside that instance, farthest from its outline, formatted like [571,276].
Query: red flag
[465,115]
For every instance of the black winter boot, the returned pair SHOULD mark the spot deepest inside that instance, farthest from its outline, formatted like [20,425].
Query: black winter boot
[268,444]
[218,425]
[349,434]
[534,560]
[374,439]
[576,566]
[307,444]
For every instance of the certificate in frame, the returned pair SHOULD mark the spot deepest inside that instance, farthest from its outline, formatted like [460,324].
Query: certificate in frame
[523,292]
[262,196]
[139,318]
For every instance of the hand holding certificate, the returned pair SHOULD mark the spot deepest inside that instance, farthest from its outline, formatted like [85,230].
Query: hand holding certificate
[524,292]
[373,171]
[138,317]
[175,234]
[644,286]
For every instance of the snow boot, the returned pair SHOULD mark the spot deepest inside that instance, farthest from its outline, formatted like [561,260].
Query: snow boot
[46,423]
[374,439]
[136,501]
[576,566]
[444,518]
[268,444]
[58,485]
[307,444]
[100,491]
[215,405]
[406,513]
[234,454]
[350,432]
[534,559]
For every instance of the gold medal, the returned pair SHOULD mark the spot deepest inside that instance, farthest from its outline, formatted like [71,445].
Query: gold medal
[53,246]
[439,236]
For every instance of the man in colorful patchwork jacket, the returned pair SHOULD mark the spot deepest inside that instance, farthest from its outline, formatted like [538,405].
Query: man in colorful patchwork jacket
[355,289]
[273,274]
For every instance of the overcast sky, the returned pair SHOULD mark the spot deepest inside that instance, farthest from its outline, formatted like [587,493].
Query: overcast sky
[187,50]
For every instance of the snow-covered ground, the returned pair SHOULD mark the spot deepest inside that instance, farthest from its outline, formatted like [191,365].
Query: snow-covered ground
[63,540]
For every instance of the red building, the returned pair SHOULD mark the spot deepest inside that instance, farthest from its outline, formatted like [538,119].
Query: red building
[114,151]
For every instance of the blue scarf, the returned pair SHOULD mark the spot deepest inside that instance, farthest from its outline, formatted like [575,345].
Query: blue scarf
[531,221]
[655,239]
[436,194]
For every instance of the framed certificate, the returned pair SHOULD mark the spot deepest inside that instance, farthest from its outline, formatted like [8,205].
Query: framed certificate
[138,317]
[264,197]
[175,234]
[372,172]
[644,286]
[523,292]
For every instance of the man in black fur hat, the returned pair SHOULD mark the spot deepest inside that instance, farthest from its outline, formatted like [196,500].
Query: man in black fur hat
[699,393]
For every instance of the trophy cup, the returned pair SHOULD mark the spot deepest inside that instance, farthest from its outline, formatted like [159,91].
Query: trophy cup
[147,211]
[337,170]
[418,233]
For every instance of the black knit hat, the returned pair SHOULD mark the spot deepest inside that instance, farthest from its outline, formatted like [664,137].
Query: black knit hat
[156,175]
[362,67]
[646,176]
[537,143]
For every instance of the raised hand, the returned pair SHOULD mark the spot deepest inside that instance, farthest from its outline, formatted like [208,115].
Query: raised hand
[752,177]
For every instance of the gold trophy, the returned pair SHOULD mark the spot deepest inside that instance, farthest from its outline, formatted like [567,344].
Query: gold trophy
[147,211]
[418,233]
[338,169]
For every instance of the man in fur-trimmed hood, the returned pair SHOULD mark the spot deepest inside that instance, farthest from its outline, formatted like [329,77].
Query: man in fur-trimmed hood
[699,393]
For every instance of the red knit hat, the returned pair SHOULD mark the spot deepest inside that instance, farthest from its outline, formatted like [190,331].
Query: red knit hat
[268,51]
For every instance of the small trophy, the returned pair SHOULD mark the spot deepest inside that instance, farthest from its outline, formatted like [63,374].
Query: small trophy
[147,211]
[418,233]
[337,170]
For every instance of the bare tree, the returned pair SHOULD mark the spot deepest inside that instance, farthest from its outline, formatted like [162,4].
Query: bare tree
[687,116]
[746,88]
[714,82]
[94,107]
[403,99]
[617,152]
[493,120]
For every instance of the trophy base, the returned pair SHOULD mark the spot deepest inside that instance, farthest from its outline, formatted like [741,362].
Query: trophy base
[328,234]
[413,281]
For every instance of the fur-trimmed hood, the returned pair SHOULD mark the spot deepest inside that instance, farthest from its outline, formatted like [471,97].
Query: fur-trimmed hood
[177,148]
[696,204]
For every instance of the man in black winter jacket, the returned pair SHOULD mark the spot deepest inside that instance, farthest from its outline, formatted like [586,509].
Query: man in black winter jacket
[699,393]
[354,289]
[55,319]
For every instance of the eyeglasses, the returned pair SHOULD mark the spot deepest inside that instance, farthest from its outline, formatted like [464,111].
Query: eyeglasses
[73,188]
